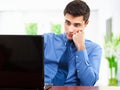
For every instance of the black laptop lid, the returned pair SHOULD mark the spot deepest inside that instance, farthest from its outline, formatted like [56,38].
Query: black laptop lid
[21,61]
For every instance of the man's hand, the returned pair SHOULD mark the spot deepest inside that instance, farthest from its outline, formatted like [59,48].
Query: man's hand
[78,39]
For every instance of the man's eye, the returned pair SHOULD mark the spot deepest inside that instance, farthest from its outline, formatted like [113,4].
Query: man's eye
[77,25]
[68,23]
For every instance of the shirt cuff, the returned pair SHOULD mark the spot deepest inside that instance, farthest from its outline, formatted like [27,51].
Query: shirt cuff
[82,57]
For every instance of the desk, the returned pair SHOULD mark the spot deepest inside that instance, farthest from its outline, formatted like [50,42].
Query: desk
[84,88]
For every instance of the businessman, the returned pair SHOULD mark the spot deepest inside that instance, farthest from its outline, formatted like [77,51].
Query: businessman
[76,63]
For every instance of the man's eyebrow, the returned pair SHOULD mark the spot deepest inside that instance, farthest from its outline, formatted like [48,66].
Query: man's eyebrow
[67,20]
[77,23]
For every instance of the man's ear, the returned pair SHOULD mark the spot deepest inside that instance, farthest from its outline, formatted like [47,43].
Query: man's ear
[86,22]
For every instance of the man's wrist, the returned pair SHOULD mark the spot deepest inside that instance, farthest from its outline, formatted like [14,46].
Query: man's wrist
[81,47]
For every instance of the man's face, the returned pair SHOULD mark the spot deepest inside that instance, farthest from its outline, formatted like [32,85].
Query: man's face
[73,25]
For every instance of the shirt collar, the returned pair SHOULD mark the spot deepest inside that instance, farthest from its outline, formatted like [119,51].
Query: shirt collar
[65,39]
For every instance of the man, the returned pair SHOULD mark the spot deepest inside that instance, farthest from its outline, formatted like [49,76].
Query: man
[84,60]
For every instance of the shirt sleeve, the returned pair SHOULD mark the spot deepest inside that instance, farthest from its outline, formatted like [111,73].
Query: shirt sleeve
[88,66]
[47,38]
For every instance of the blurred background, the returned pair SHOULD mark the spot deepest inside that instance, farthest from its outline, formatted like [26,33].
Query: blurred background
[36,17]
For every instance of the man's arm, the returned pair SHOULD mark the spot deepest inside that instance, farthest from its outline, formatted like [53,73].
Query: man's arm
[88,66]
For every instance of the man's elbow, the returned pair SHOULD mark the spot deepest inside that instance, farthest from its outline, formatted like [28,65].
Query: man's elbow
[90,80]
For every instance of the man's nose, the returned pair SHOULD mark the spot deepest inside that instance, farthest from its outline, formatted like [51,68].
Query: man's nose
[71,28]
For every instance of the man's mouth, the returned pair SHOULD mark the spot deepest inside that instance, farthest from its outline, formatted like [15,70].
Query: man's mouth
[70,35]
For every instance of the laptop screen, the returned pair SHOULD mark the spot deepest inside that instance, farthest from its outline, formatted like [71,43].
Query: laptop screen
[21,61]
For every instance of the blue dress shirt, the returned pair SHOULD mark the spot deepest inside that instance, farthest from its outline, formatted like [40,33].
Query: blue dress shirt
[83,66]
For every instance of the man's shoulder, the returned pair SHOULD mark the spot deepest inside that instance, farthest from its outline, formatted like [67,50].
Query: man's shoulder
[90,43]
[53,35]
[48,34]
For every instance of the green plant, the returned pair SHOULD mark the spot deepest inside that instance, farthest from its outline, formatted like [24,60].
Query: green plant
[56,28]
[31,28]
[112,50]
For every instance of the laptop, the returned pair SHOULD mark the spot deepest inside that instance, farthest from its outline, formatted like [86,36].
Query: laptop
[21,61]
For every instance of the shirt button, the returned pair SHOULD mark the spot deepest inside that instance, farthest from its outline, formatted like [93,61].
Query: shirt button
[65,43]
[76,56]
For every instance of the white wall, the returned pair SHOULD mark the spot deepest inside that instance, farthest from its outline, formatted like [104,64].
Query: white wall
[33,4]
[107,9]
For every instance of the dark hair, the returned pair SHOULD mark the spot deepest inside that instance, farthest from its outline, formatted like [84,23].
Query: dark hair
[78,8]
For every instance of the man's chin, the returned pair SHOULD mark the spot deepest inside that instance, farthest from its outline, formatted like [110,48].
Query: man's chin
[69,38]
